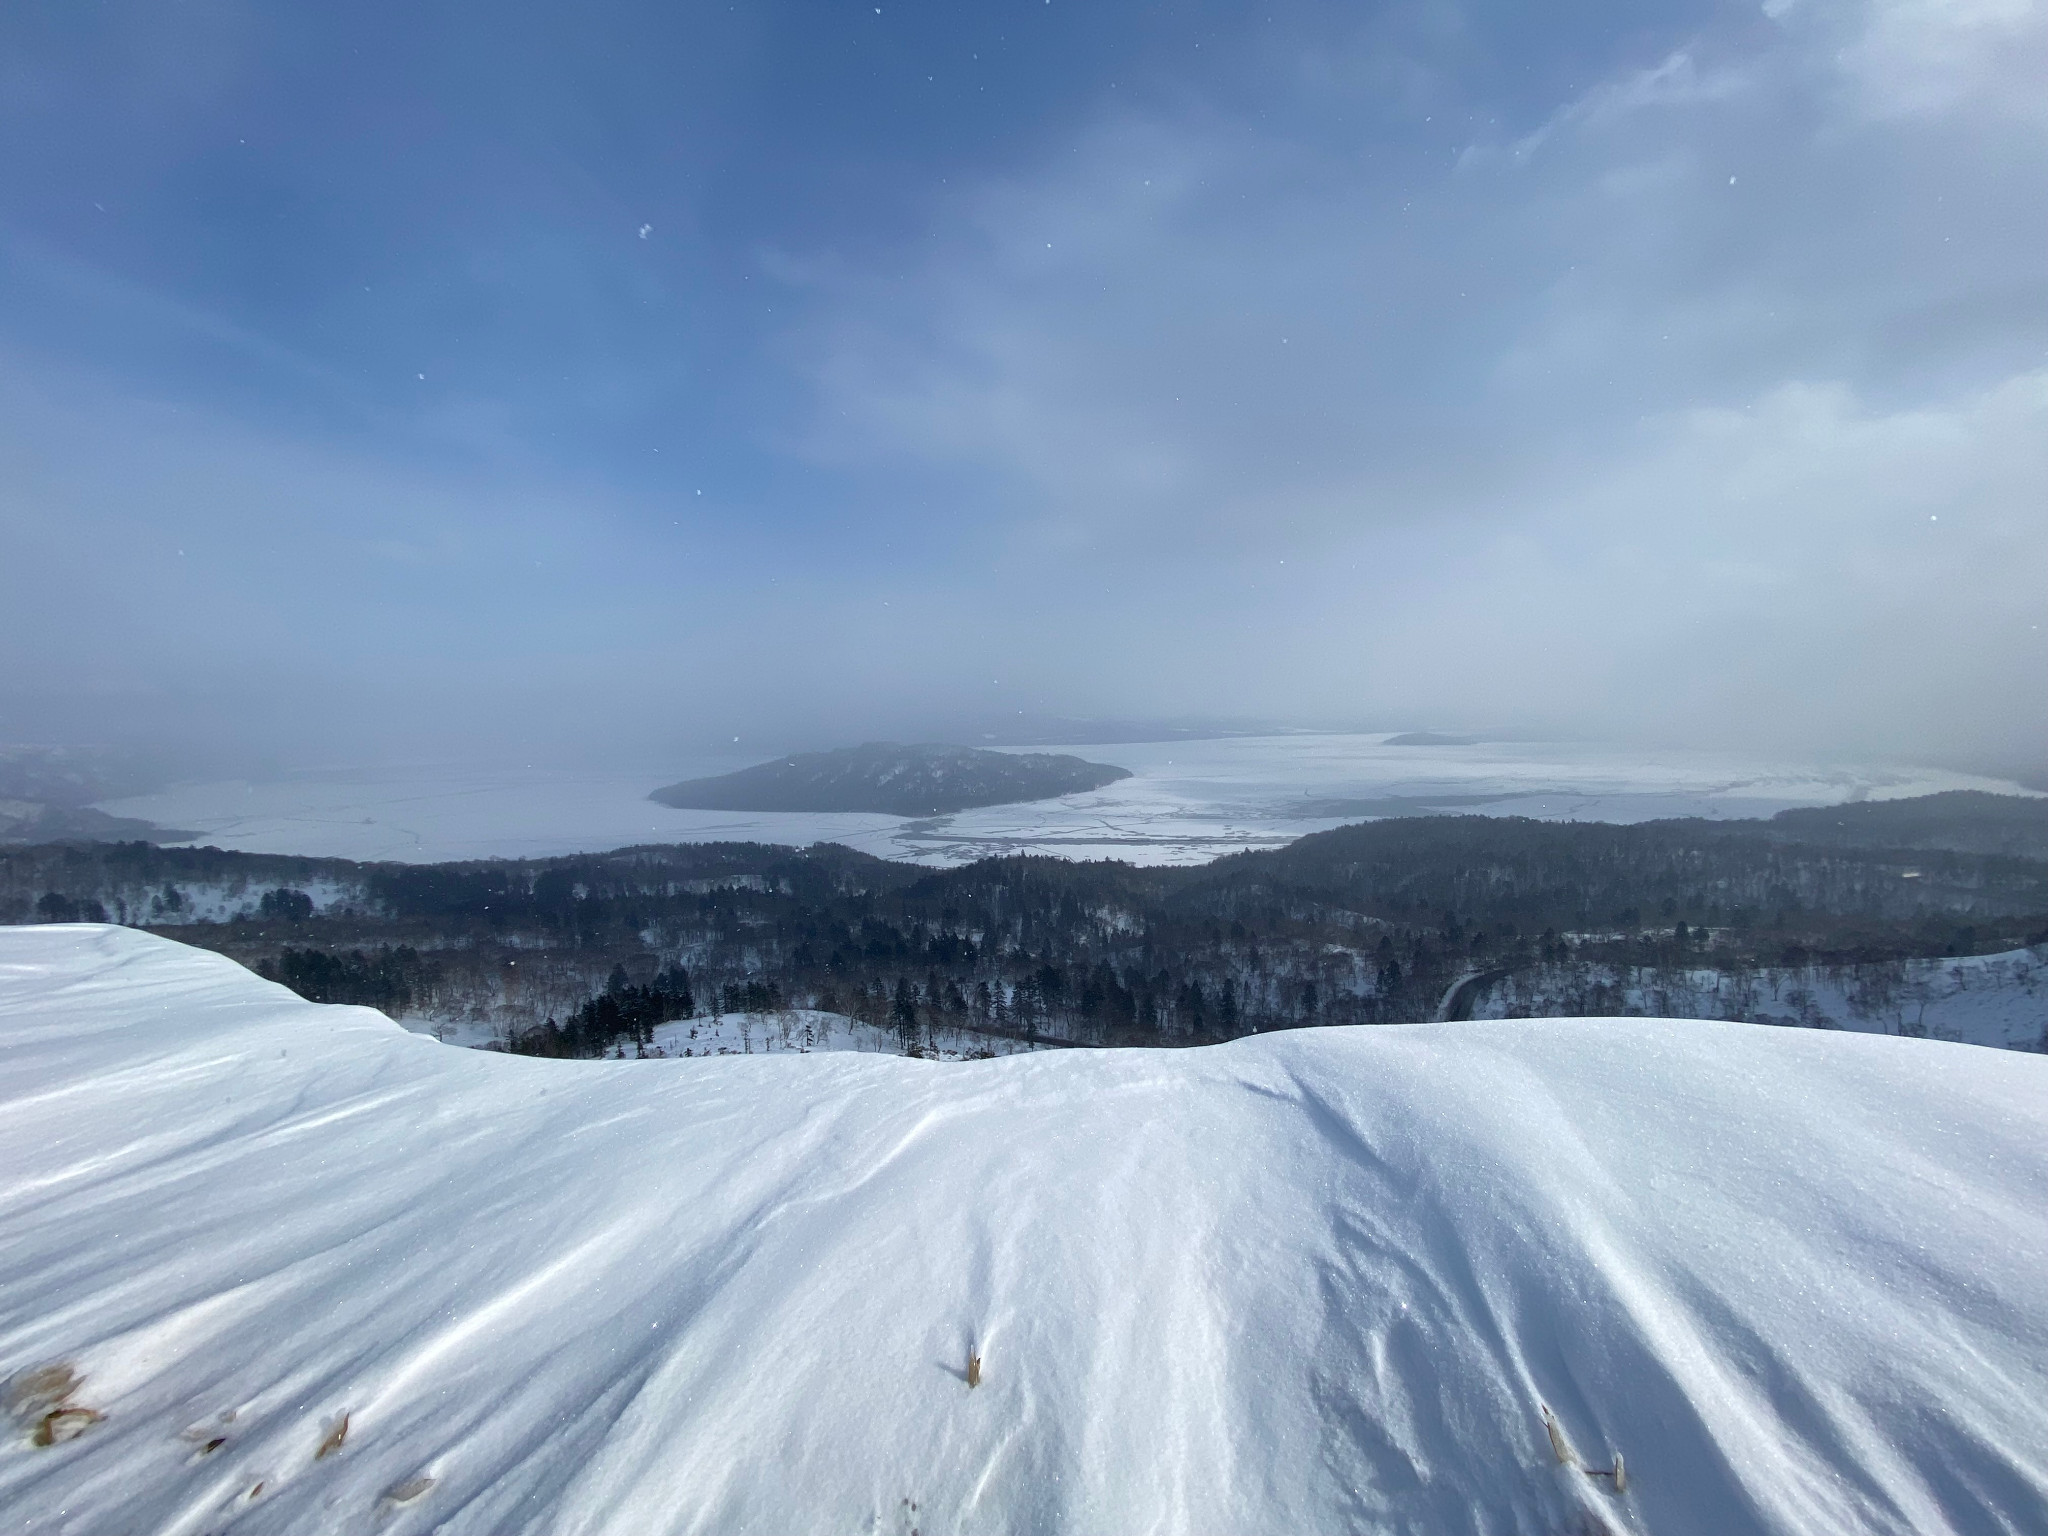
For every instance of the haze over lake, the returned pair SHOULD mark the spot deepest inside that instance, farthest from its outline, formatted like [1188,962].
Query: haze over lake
[1186,802]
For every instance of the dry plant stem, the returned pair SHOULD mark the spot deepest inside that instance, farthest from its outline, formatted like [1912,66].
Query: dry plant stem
[1558,1444]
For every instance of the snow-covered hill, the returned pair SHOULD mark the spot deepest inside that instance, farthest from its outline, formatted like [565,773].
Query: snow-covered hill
[314,1273]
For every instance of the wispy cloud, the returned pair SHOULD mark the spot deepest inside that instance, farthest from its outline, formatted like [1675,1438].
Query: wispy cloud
[1659,344]
[1685,379]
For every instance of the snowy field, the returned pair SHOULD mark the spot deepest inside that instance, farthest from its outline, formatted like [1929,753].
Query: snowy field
[271,1267]
[1187,802]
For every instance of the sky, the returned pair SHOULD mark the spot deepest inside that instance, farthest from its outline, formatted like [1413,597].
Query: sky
[427,379]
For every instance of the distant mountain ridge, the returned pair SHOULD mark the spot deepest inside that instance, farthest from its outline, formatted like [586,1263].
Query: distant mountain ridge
[46,795]
[37,821]
[891,779]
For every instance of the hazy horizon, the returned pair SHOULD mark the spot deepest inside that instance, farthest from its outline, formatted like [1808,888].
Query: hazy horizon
[426,381]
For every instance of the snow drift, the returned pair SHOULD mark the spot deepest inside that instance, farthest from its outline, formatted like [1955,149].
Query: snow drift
[313,1273]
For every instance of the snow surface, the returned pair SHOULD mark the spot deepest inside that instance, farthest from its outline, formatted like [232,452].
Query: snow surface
[1314,1282]
[1187,802]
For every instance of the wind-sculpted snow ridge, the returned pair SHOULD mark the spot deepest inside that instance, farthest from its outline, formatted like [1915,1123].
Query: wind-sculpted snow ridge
[273,1267]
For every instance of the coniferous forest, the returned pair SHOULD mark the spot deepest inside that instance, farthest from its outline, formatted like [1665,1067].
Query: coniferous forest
[1390,921]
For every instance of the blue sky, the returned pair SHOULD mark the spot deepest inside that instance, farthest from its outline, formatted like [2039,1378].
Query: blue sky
[427,378]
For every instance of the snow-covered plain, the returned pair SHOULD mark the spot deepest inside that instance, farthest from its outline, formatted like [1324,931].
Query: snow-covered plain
[1186,802]
[317,1274]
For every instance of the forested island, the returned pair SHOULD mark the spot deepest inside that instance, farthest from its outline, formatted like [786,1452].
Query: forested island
[893,780]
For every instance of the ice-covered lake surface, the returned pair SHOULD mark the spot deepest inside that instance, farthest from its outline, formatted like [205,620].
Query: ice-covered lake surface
[1185,803]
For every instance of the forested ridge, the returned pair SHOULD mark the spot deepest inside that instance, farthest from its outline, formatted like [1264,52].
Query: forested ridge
[1366,924]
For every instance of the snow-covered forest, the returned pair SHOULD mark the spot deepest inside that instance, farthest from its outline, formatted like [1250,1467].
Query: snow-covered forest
[1387,922]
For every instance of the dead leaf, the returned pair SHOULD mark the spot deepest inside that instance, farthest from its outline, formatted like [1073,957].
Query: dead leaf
[62,1424]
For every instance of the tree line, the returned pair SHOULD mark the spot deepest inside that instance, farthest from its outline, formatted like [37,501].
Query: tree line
[1366,924]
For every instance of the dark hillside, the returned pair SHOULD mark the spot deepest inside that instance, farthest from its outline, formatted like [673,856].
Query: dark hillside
[1594,875]
[1961,820]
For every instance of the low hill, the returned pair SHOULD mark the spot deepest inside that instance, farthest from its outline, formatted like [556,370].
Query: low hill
[286,1268]
[33,821]
[1960,820]
[46,796]
[892,780]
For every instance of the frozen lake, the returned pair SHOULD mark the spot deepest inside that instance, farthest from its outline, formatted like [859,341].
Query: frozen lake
[1187,802]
